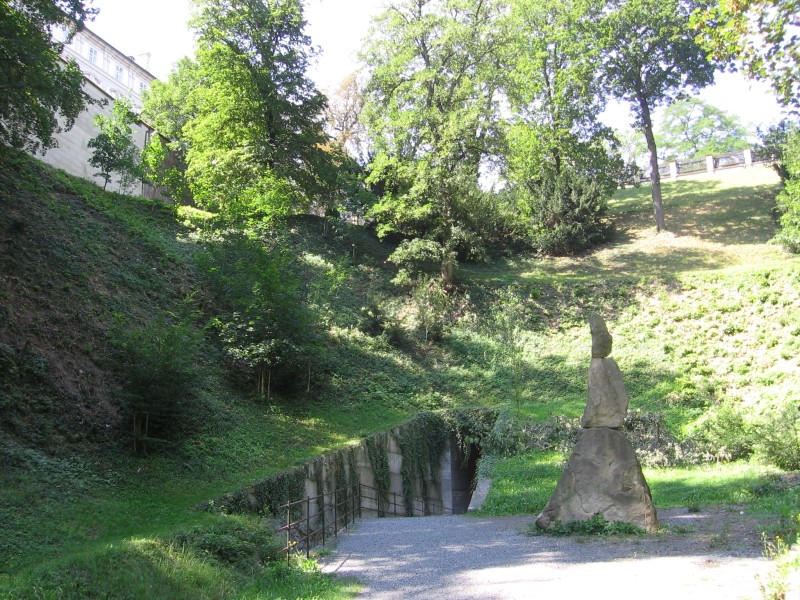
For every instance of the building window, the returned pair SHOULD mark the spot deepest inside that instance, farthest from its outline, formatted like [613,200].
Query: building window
[93,55]
[142,86]
[118,73]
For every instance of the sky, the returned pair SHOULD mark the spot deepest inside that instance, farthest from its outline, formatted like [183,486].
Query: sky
[338,27]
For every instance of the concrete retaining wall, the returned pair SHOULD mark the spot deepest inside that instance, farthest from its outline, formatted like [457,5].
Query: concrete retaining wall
[73,153]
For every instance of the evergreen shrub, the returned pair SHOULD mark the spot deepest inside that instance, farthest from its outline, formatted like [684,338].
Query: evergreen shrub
[566,213]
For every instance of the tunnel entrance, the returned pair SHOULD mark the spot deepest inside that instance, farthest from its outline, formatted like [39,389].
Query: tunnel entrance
[463,471]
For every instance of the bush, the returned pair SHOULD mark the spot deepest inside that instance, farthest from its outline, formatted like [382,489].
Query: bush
[723,433]
[597,525]
[239,544]
[779,436]
[158,364]
[566,213]
[789,199]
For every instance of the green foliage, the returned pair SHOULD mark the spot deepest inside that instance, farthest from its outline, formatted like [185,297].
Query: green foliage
[757,36]
[242,544]
[36,87]
[649,57]
[158,362]
[789,199]
[433,308]
[421,441]
[431,114]
[779,436]
[692,128]
[597,526]
[772,146]
[260,318]
[555,93]
[244,111]
[165,169]
[565,213]
[378,454]
[724,433]
[113,149]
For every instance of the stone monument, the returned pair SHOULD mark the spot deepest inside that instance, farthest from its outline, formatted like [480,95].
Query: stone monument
[603,475]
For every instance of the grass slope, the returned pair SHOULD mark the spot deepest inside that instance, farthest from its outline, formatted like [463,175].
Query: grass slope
[706,312]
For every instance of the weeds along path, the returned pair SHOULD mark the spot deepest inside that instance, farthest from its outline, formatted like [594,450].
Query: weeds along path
[713,554]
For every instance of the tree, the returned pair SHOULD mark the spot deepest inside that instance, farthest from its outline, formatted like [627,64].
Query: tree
[36,86]
[114,150]
[431,112]
[693,128]
[789,199]
[343,118]
[556,143]
[650,57]
[758,36]
[244,110]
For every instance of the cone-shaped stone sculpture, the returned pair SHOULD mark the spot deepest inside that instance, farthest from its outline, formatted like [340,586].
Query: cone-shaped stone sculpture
[603,475]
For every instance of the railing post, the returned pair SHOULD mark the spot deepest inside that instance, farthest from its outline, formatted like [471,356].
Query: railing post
[323,518]
[308,526]
[353,501]
[335,516]
[288,527]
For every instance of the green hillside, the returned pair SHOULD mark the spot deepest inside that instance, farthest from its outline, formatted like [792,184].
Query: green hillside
[706,322]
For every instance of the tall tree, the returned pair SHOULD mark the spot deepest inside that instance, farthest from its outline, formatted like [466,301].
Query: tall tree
[758,36]
[36,86]
[693,128]
[247,114]
[432,115]
[343,118]
[555,134]
[650,57]
[113,149]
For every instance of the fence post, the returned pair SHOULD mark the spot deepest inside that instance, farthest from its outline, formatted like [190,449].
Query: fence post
[288,526]
[308,526]
[748,158]
[322,513]
[335,516]
[710,164]
[673,170]
[346,507]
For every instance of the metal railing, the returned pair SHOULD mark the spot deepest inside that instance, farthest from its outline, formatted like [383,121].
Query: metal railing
[339,509]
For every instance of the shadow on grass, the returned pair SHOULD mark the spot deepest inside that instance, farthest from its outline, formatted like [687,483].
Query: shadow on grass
[710,210]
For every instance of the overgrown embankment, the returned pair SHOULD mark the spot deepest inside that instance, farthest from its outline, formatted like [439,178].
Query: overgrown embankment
[704,321]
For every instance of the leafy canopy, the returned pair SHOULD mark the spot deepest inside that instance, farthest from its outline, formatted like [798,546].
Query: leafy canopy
[36,86]
[758,36]
[113,149]
[243,111]
[693,128]
[431,112]
[650,57]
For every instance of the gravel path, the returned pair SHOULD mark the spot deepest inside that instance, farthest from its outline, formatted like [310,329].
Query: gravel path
[714,554]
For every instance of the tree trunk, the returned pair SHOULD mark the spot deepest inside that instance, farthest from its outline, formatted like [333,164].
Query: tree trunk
[655,176]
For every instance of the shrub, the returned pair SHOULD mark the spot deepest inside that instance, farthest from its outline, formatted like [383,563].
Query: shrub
[433,308]
[566,213]
[242,545]
[789,199]
[723,433]
[158,364]
[597,525]
[779,436]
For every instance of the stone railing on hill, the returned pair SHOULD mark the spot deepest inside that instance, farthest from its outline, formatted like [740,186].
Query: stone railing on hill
[709,164]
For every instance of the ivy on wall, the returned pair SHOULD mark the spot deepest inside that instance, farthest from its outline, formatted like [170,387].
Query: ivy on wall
[422,441]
